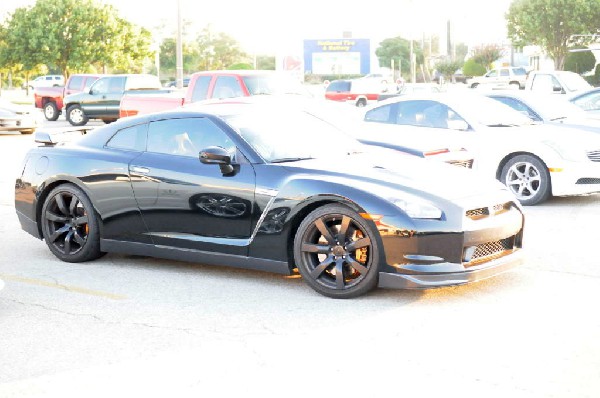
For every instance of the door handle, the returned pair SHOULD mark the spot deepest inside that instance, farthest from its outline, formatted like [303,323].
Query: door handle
[139,169]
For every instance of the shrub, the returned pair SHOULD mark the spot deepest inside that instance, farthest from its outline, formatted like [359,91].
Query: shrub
[472,68]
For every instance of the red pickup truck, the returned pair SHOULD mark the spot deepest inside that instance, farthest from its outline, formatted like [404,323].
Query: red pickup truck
[50,99]
[211,85]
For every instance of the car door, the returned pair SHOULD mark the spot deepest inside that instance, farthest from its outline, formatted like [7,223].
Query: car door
[185,203]
[112,99]
[94,104]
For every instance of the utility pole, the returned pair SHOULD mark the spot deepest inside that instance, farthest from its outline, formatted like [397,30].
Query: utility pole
[179,48]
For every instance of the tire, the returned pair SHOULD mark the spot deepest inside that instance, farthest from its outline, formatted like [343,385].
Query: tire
[51,111]
[70,226]
[361,103]
[30,131]
[514,85]
[337,252]
[527,178]
[474,85]
[109,121]
[76,116]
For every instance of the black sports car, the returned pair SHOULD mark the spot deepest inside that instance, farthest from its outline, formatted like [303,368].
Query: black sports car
[268,188]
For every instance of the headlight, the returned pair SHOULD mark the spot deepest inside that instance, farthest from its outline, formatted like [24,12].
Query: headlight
[417,208]
[568,150]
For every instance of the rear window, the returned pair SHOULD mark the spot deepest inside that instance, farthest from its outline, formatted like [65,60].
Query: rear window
[75,82]
[520,71]
[339,86]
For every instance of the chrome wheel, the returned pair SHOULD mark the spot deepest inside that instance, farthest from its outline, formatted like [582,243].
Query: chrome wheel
[76,116]
[527,178]
[50,111]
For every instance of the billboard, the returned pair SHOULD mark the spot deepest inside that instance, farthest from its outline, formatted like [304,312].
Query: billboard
[337,56]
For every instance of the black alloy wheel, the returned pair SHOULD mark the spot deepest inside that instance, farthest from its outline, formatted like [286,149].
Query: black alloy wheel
[337,252]
[69,225]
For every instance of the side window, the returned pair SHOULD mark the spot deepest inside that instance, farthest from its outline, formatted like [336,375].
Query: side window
[130,138]
[422,113]
[544,83]
[75,82]
[116,84]
[504,72]
[492,73]
[100,86]
[227,87]
[519,106]
[589,102]
[88,83]
[186,137]
[380,114]
[201,88]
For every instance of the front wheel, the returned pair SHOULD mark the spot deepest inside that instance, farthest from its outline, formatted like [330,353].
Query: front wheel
[69,225]
[337,252]
[527,178]
[51,111]
[474,85]
[76,116]
[361,103]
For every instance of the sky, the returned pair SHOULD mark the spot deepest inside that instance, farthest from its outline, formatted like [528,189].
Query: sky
[270,27]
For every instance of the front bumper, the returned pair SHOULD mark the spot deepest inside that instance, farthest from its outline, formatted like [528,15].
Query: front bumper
[576,178]
[432,280]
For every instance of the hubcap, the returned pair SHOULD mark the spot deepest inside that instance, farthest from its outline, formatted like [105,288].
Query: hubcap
[76,116]
[336,251]
[524,180]
[49,112]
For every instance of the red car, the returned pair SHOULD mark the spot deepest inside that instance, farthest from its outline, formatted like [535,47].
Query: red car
[357,92]
[50,99]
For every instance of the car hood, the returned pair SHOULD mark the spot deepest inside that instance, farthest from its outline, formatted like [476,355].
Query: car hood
[379,172]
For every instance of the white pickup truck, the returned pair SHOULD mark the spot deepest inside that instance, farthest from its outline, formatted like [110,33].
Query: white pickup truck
[505,77]
[557,82]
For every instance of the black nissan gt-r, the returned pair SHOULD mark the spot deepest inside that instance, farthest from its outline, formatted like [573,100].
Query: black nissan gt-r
[272,188]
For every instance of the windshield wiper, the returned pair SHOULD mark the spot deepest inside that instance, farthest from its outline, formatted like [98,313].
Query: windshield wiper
[284,160]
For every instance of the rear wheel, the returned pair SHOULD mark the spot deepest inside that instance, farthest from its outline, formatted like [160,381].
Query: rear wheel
[76,116]
[69,225]
[50,111]
[337,252]
[527,178]
[361,103]
[514,85]
[474,85]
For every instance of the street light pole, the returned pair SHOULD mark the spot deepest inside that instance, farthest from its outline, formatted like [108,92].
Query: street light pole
[179,48]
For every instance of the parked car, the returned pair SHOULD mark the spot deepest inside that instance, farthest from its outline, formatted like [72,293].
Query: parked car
[412,88]
[103,99]
[533,160]
[14,117]
[212,85]
[459,77]
[47,81]
[355,92]
[186,82]
[549,109]
[513,77]
[589,101]
[50,99]
[220,184]
[556,82]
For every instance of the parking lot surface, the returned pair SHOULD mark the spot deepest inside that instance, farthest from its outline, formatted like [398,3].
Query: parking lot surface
[133,326]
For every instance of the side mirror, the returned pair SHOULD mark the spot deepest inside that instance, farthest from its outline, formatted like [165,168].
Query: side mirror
[557,88]
[217,155]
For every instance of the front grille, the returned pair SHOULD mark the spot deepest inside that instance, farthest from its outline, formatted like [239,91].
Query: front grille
[468,164]
[488,251]
[585,181]
[594,156]
[481,212]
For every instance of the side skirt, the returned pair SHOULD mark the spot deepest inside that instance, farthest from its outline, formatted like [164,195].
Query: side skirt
[194,256]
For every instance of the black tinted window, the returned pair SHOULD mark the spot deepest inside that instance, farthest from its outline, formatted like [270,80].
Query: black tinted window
[130,138]
[338,86]
[201,88]
[186,137]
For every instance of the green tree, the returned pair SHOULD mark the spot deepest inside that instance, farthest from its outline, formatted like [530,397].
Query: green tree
[265,62]
[218,50]
[396,49]
[18,52]
[71,35]
[472,68]
[168,56]
[447,68]
[580,61]
[486,54]
[551,24]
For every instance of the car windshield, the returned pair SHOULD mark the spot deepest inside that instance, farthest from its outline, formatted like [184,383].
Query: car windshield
[490,112]
[556,107]
[292,135]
